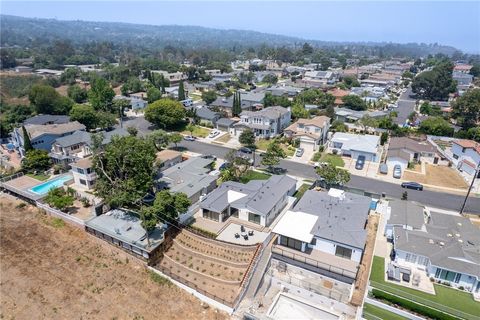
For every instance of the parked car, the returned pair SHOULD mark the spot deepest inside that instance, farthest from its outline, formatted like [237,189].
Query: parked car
[319,164]
[214,133]
[189,138]
[299,152]
[412,185]
[383,168]
[360,162]
[209,156]
[397,171]
[245,150]
[224,166]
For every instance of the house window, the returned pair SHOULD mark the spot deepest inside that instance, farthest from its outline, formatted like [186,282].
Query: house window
[410,258]
[447,275]
[83,182]
[314,242]
[343,252]
[291,243]
[79,170]
[422,261]
[252,217]
[455,156]
[211,215]
[457,277]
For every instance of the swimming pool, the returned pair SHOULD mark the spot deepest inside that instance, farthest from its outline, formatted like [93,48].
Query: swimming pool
[51,184]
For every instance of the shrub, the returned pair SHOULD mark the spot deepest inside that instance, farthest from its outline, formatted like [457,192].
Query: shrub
[21,205]
[159,279]
[410,305]
[334,151]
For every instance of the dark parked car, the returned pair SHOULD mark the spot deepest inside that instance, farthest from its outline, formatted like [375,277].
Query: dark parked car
[412,185]
[360,162]
[224,166]
[245,150]
[209,156]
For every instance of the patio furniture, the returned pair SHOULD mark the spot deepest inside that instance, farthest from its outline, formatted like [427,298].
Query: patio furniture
[250,233]
[242,228]
[245,237]
[406,277]
[237,235]
[416,279]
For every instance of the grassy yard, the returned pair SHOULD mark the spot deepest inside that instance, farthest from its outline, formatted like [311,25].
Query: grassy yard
[448,297]
[254,175]
[334,159]
[304,187]
[223,139]
[198,132]
[262,144]
[371,312]
[38,176]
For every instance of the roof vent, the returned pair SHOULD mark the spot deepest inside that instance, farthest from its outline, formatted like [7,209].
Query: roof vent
[460,240]
[431,241]
[459,224]
[441,243]
[457,235]
[449,235]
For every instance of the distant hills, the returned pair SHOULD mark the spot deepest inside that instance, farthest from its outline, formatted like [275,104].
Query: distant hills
[19,31]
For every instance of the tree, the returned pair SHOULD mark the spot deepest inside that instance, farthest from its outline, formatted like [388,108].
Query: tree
[159,139]
[101,94]
[299,112]
[237,168]
[436,126]
[85,114]
[36,160]
[270,78]
[125,170]
[247,138]
[338,126]
[475,70]
[59,199]
[77,93]
[354,102]
[333,175]
[190,128]
[27,143]
[165,113]
[153,94]
[181,92]
[175,138]
[237,104]
[466,109]
[132,131]
[383,138]
[169,205]
[48,101]
[351,81]
[273,154]
[368,122]
[435,84]
[209,96]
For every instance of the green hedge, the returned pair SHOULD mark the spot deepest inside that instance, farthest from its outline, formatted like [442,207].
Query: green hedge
[410,305]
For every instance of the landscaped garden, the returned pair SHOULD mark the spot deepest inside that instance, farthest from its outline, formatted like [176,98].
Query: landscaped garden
[371,312]
[197,132]
[254,175]
[446,299]
[334,159]
[262,144]
[303,188]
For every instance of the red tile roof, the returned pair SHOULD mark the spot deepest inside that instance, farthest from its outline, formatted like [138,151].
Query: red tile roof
[469,144]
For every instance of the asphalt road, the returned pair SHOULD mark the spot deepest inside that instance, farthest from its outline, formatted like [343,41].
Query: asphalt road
[429,198]
[405,107]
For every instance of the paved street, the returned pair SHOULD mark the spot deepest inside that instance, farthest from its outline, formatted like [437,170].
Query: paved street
[405,107]
[426,197]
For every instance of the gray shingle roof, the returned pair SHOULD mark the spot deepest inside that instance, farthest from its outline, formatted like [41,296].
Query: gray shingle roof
[77,137]
[42,119]
[340,220]
[207,114]
[225,122]
[406,213]
[450,242]
[273,113]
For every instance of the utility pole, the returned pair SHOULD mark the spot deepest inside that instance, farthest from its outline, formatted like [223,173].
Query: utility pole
[469,189]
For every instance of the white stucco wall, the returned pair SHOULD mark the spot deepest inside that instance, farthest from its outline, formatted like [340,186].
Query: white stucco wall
[330,246]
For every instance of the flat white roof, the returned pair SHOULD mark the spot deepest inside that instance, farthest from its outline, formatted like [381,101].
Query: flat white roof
[296,225]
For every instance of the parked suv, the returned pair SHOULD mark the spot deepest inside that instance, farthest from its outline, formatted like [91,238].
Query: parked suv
[360,162]
[397,171]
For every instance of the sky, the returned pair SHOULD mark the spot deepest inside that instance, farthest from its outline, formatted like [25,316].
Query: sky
[452,23]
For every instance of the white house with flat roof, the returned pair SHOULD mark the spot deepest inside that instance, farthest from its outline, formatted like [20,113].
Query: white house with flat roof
[354,145]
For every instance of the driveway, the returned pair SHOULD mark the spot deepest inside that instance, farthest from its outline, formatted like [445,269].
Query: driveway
[370,169]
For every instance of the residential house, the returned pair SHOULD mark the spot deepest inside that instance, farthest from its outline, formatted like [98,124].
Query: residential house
[123,229]
[354,145]
[461,67]
[258,201]
[283,90]
[23,69]
[207,117]
[325,232]
[466,155]
[349,115]
[463,79]
[42,136]
[136,101]
[318,78]
[191,177]
[44,119]
[266,123]
[445,248]
[339,94]
[406,214]
[226,124]
[311,133]
[84,175]
[168,158]
[402,150]
[225,105]
[173,77]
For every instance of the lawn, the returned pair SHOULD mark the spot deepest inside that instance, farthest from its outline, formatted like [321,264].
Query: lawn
[254,175]
[448,297]
[262,144]
[198,132]
[223,139]
[38,176]
[371,312]
[304,187]
[334,159]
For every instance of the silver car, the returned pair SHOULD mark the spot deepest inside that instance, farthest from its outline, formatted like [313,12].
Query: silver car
[299,152]
[397,171]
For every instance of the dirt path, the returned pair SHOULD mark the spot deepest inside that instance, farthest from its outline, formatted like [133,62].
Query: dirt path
[49,270]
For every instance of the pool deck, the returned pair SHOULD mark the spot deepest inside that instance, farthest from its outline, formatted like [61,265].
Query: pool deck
[21,186]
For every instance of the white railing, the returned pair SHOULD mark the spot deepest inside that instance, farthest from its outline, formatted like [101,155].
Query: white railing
[62,215]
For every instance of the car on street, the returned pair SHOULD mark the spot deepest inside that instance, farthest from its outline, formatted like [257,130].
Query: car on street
[224,166]
[189,138]
[412,185]
[209,156]
[397,171]
[214,133]
[245,150]
[299,152]
[360,162]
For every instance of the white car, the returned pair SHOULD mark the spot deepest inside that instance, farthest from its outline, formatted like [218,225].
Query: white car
[214,133]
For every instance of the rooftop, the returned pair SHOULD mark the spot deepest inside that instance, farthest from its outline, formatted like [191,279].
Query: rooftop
[406,213]
[84,163]
[270,112]
[410,144]
[167,154]
[468,144]
[36,130]
[43,119]
[365,143]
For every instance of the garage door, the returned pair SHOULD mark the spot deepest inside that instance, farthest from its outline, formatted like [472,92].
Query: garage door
[307,146]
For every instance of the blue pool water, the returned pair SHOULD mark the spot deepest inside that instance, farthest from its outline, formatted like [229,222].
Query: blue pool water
[373,205]
[51,184]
